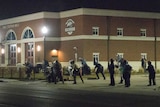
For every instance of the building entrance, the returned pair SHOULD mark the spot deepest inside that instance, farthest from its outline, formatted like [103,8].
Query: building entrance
[29,52]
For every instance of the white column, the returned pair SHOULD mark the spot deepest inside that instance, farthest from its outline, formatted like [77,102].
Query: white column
[23,53]
[6,54]
[34,54]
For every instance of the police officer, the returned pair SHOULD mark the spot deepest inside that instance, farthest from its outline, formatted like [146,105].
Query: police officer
[127,73]
[152,73]
[29,68]
[84,69]
[57,72]
[45,65]
[99,69]
[111,71]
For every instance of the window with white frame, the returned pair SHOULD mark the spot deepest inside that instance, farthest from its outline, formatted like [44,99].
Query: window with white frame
[143,55]
[143,60]
[95,58]
[11,36]
[28,34]
[29,55]
[29,51]
[12,54]
[119,31]
[12,48]
[143,32]
[95,30]
[119,56]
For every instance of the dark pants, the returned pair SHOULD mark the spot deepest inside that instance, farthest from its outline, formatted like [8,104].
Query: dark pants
[97,72]
[75,73]
[54,75]
[28,75]
[28,72]
[86,70]
[126,77]
[121,80]
[112,81]
[152,79]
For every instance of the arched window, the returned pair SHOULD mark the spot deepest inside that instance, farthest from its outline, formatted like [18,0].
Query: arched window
[28,34]
[12,48]
[11,36]
[29,46]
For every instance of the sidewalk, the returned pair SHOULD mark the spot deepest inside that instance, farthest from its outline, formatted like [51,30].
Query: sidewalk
[8,80]
[138,84]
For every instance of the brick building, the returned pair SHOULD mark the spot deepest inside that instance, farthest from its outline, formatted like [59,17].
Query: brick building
[93,34]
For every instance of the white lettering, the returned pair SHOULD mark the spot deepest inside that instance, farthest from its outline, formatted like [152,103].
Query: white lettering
[70,29]
[10,26]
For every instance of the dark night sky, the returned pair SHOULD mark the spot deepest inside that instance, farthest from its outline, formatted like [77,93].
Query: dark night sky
[12,8]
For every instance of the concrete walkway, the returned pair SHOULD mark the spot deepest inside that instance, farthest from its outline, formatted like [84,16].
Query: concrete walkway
[138,84]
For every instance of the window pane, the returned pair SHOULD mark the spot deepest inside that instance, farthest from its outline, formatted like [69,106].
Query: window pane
[11,36]
[95,30]
[12,53]
[119,31]
[28,54]
[32,53]
[28,34]
[143,32]
[95,58]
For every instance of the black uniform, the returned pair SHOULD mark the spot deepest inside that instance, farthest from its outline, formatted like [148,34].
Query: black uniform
[57,72]
[29,68]
[111,71]
[127,73]
[85,68]
[45,65]
[99,69]
[152,73]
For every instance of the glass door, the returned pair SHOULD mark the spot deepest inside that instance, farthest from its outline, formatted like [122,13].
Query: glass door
[12,54]
[29,52]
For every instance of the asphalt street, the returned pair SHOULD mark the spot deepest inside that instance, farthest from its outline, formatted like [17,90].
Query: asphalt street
[93,92]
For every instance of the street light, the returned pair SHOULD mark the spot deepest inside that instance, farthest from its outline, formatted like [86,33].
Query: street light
[44,31]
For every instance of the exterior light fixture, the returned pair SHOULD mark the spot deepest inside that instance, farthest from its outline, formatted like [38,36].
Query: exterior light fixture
[38,48]
[18,49]
[54,53]
[2,50]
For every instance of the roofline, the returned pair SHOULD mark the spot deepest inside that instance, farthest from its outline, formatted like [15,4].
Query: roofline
[107,12]
[80,11]
[29,17]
